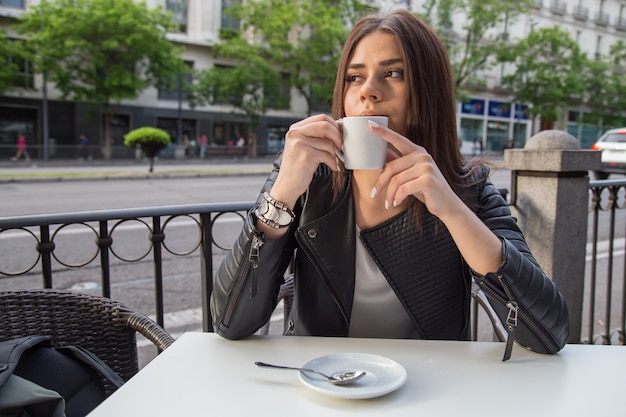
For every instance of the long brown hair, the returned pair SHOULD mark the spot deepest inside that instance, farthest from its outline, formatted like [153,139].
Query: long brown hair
[431,120]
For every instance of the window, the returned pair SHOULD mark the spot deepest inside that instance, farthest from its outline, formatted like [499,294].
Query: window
[219,93]
[179,89]
[280,98]
[573,116]
[170,125]
[228,21]
[19,4]
[179,9]
[24,77]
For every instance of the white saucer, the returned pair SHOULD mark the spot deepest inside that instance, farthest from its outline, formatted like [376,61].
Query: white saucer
[383,375]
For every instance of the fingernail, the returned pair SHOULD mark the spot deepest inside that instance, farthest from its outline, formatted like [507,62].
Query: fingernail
[395,204]
[373,123]
[373,192]
[386,205]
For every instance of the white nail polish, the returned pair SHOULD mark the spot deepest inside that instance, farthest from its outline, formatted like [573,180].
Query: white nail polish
[395,204]
[373,192]
[386,205]
[372,123]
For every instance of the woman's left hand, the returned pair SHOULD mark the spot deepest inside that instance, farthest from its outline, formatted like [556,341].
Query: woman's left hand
[413,172]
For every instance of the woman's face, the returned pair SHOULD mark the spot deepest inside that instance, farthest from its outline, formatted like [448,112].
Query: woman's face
[375,83]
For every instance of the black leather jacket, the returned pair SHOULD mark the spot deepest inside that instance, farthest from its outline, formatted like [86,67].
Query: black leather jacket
[422,265]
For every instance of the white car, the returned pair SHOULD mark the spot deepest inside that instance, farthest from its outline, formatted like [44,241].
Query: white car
[613,146]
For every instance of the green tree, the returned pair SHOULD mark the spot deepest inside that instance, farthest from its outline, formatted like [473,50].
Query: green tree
[248,86]
[150,139]
[10,53]
[101,51]
[483,34]
[548,72]
[605,81]
[301,39]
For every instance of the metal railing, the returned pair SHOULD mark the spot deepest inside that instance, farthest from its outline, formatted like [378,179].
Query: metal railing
[104,225]
[608,197]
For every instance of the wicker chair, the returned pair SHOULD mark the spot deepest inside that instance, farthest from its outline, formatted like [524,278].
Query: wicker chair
[99,324]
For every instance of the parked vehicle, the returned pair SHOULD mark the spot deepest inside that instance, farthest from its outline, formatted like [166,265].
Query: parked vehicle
[613,146]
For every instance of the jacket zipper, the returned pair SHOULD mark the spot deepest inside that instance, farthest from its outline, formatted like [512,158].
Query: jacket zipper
[252,249]
[513,316]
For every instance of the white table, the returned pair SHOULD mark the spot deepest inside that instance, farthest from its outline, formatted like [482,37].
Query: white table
[202,374]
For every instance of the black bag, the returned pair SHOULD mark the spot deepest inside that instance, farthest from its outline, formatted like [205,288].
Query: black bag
[38,380]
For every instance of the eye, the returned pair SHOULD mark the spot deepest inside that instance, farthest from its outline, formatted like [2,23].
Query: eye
[394,74]
[351,78]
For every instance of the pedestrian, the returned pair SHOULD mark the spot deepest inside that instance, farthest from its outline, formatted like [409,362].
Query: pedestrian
[386,252]
[204,142]
[186,144]
[22,150]
[83,147]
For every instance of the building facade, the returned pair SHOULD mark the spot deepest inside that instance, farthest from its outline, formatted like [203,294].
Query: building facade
[492,118]
[199,22]
[489,120]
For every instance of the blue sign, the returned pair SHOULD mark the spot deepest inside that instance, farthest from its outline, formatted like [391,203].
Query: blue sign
[499,109]
[474,106]
[521,112]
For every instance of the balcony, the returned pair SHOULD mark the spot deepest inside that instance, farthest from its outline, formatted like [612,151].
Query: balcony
[602,19]
[621,24]
[558,7]
[581,13]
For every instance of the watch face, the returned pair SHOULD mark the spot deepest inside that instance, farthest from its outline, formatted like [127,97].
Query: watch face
[264,207]
[273,213]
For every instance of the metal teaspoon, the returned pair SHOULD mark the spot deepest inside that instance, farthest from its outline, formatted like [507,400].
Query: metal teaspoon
[338,378]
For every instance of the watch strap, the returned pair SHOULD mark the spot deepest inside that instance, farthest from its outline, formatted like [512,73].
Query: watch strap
[280,207]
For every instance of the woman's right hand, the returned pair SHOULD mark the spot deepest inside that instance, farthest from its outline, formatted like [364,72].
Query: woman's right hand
[308,143]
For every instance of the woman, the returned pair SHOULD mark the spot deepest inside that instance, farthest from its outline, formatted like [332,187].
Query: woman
[21,148]
[386,253]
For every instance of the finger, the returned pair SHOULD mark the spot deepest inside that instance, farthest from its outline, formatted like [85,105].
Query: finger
[401,186]
[402,179]
[315,129]
[407,162]
[396,140]
[309,150]
[311,119]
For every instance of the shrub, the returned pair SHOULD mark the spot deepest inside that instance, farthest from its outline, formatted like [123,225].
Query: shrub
[150,139]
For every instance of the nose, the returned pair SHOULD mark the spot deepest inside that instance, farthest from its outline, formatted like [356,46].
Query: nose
[370,91]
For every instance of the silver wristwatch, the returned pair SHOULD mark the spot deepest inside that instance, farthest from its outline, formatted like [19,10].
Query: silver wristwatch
[274,213]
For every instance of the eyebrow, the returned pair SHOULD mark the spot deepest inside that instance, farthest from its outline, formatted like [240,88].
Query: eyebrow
[384,63]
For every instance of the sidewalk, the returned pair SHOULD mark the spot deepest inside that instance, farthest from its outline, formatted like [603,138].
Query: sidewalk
[74,170]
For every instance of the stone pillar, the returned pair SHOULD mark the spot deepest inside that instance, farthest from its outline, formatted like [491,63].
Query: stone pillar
[550,198]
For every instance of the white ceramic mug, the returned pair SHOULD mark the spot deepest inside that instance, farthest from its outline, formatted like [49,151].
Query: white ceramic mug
[361,148]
